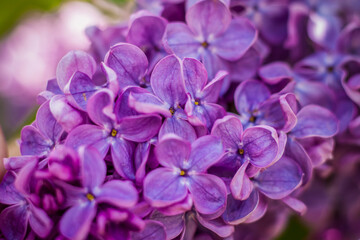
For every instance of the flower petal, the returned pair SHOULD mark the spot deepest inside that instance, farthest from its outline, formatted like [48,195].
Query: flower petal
[205,152]
[100,108]
[167,81]
[241,186]
[238,211]
[195,76]
[208,18]
[40,222]
[76,222]
[248,96]
[315,121]
[118,193]
[129,63]
[148,103]
[8,193]
[208,193]
[89,135]
[34,143]
[139,128]
[260,145]
[14,221]
[180,40]
[72,62]
[179,127]
[280,179]
[122,157]
[81,88]
[172,151]
[236,40]
[47,124]
[163,187]
[230,130]
[93,167]
[153,231]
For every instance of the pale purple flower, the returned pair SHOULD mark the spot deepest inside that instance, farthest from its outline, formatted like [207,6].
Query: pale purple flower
[210,36]
[114,132]
[84,201]
[168,98]
[184,174]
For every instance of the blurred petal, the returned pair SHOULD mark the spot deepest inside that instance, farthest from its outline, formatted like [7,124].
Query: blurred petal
[34,143]
[280,179]
[40,222]
[315,121]
[118,193]
[76,222]
[179,39]
[14,221]
[153,231]
[208,18]
[236,40]
[248,96]
[8,193]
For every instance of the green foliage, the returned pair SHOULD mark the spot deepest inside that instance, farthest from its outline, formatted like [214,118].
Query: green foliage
[12,11]
[295,230]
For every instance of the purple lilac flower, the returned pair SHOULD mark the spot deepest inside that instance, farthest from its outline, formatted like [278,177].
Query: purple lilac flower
[84,201]
[22,212]
[270,17]
[146,31]
[112,132]
[212,40]
[168,98]
[184,174]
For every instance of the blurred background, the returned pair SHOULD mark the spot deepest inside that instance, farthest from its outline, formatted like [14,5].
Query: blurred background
[34,35]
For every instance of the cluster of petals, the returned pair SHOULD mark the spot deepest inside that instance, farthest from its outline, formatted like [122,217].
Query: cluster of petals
[171,126]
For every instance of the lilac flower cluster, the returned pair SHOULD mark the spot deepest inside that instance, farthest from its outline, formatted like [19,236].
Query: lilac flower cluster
[191,121]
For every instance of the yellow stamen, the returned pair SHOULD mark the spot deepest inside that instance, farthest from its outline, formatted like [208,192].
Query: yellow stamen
[252,119]
[182,173]
[113,133]
[196,103]
[90,197]
[172,111]
[241,151]
[205,44]
[84,96]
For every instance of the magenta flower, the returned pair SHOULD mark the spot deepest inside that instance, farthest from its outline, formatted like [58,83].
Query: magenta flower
[184,174]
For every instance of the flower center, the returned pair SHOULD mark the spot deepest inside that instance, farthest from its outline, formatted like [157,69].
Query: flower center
[182,173]
[241,151]
[330,69]
[172,110]
[252,119]
[113,133]
[90,197]
[84,96]
[197,102]
[205,44]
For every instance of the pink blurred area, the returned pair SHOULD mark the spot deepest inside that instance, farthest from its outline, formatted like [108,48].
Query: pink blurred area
[30,53]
